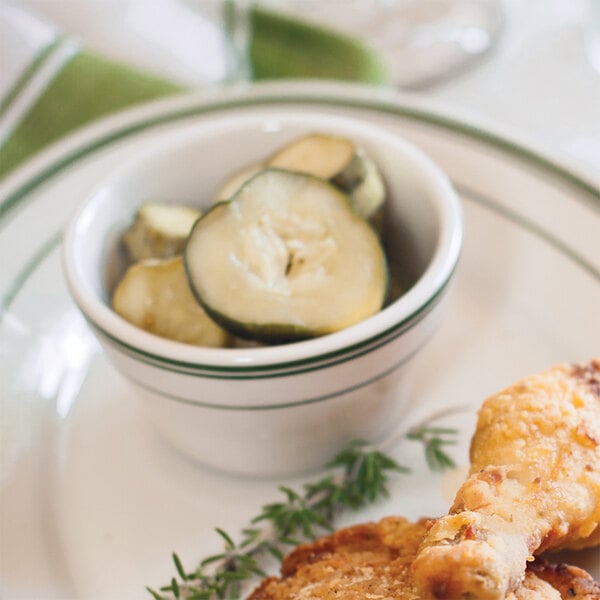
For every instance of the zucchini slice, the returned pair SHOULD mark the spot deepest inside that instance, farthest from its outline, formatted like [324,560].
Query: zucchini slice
[236,181]
[339,160]
[319,154]
[155,295]
[159,230]
[367,196]
[286,259]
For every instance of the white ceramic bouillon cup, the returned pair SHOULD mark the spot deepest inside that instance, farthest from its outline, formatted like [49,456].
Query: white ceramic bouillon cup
[286,408]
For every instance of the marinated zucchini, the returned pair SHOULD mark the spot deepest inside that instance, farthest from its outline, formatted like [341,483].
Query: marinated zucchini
[278,262]
[340,161]
[367,197]
[234,183]
[325,156]
[155,295]
[159,230]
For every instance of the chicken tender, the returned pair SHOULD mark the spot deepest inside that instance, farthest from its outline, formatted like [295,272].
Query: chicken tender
[534,485]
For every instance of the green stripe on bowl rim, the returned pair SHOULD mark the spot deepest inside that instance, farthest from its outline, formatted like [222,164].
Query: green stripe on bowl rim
[261,407]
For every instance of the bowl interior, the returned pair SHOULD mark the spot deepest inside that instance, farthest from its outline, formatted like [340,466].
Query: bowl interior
[422,219]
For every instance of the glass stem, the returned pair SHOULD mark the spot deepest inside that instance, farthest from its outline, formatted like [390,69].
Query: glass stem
[237,25]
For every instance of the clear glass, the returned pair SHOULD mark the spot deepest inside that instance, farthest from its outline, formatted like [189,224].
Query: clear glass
[592,34]
[418,42]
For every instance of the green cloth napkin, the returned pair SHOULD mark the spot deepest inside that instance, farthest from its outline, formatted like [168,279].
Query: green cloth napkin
[89,86]
[287,47]
[86,88]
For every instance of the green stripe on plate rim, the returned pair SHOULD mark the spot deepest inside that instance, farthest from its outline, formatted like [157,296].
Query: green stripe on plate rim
[29,268]
[377,105]
[283,369]
[312,400]
[531,227]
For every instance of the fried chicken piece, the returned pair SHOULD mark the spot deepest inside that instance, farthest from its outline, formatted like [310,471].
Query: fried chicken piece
[534,485]
[372,561]
[570,581]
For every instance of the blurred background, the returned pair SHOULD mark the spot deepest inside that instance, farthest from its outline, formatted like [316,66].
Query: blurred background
[528,66]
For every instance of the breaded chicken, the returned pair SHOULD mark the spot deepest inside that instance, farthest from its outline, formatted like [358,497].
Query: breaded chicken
[534,485]
[570,581]
[372,561]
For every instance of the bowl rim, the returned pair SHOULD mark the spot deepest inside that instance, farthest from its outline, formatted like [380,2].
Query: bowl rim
[355,340]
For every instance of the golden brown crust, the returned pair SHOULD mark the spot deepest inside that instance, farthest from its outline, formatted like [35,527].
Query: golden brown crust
[570,581]
[534,588]
[372,560]
[591,541]
[366,560]
[534,486]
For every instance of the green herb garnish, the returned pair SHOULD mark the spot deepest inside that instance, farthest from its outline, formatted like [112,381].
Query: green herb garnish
[359,476]
[434,439]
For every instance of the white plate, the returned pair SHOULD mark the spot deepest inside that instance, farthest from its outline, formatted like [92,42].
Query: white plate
[92,503]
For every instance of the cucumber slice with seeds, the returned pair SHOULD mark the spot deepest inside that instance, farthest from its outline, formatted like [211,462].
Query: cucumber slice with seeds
[159,230]
[270,264]
[155,295]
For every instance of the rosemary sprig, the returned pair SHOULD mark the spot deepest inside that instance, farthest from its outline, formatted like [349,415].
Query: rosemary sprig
[434,439]
[359,476]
